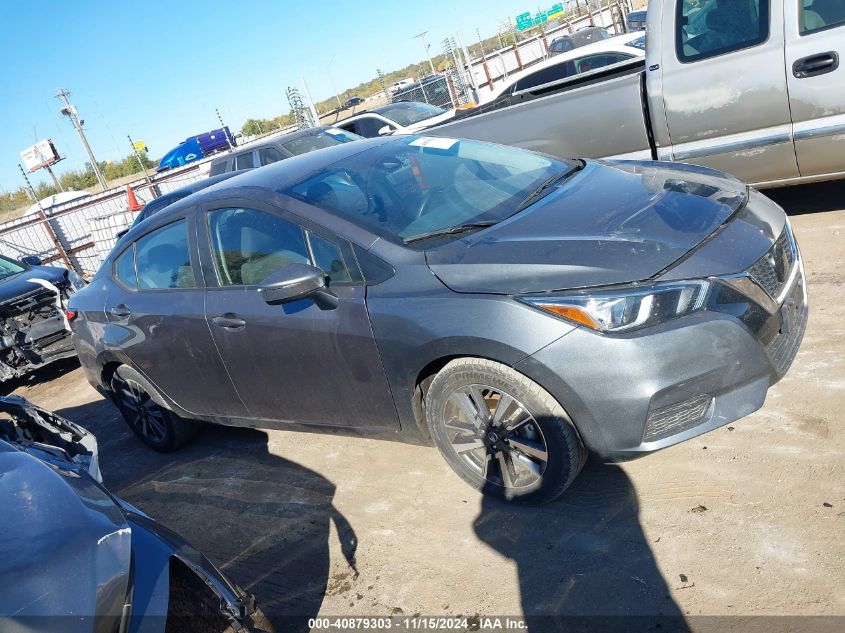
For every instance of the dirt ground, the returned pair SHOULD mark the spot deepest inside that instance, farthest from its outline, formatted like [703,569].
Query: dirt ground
[748,520]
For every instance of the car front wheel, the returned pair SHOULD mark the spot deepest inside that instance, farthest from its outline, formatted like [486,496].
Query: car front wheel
[501,432]
[156,426]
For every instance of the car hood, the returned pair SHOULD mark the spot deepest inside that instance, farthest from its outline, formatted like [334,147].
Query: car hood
[613,222]
[21,284]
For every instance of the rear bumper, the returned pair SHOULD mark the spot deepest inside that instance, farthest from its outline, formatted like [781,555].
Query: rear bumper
[632,395]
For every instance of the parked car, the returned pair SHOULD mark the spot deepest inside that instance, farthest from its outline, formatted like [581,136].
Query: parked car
[157,204]
[581,37]
[77,558]
[280,148]
[398,86]
[196,147]
[635,20]
[584,60]
[353,101]
[777,122]
[34,329]
[514,309]
[402,117]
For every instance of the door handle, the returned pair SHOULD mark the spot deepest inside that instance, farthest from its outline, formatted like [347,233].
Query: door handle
[121,311]
[815,65]
[229,322]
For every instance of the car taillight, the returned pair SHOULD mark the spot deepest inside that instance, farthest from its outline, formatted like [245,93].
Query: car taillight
[71,314]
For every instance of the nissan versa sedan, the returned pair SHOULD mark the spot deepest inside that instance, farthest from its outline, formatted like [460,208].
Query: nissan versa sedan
[513,309]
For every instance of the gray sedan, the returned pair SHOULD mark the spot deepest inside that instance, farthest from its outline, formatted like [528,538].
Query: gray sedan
[513,309]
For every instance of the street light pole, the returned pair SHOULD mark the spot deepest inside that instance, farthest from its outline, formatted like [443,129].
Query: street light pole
[425,46]
[70,112]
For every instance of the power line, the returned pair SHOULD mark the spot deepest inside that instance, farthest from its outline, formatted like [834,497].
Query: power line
[69,111]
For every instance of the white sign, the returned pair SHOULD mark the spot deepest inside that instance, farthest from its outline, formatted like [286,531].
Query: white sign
[40,154]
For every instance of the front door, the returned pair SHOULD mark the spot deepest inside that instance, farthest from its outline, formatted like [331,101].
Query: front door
[293,362]
[815,63]
[157,320]
[724,87]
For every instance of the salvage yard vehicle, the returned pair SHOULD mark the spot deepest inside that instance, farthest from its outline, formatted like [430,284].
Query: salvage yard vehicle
[33,324]
[514,309]
[751,87]
[280,148]
[402,117]
[77,558]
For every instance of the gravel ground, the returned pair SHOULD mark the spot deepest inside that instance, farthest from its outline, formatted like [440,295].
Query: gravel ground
[747,520]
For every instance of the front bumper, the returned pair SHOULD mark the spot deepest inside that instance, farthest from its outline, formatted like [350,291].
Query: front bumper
[634,394]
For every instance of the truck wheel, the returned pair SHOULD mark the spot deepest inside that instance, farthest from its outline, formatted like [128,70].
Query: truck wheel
[156,426]
[501,432]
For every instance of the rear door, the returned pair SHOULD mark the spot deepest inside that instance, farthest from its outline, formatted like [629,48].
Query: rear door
[155,312]
[294,362]
[724,87]
[815,46]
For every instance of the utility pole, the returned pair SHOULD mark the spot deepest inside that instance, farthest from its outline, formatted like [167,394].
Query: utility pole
[48,228]
[140,162]
[70,111]
[228,138]
[425,46]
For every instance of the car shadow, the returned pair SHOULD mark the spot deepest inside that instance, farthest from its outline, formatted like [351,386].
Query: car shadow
[813,198]
[266,521]
[583,561]
[44,374]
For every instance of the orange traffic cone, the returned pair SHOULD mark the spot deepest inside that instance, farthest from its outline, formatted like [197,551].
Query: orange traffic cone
[134,205]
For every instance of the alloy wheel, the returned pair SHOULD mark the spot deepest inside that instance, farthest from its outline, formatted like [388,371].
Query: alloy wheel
[140,410]
[496,436]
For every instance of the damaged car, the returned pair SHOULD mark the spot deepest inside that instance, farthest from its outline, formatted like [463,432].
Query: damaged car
[76,558]
[34,328]
[515,310]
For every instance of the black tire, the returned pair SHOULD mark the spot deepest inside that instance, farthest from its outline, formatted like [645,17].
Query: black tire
[533,453]
[155,425]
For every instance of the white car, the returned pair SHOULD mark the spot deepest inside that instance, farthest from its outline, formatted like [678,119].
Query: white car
[584,59]
[402,117]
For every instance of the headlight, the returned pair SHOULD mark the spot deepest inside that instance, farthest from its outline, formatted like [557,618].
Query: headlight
[623,309]
[76,282]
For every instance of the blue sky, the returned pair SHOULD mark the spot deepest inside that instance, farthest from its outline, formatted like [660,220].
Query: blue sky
[157,69]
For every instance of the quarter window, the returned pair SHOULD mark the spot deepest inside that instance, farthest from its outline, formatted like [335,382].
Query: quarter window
[248,245]
[328,258]
[818,15]
[244,161]
[163,259]
[124,268]
[707,28]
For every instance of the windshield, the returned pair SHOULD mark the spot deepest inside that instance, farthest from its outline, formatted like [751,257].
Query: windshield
[417,185]
[9,267]
[326,138]
[409,112]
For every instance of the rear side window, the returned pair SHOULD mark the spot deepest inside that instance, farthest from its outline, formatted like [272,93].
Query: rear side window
[591,62]
[218,167]
[709,28]
[244,161]
[818,15]
[267,155]
[163,258]
[548,75]
[124,269]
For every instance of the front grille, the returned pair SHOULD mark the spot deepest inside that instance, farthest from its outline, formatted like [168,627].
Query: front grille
[675,418]
[783,347]
[771,271]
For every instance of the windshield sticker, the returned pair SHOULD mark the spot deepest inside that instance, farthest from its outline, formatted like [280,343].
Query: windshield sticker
[434,142]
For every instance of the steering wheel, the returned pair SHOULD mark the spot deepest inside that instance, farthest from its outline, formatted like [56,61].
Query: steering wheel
[428,196]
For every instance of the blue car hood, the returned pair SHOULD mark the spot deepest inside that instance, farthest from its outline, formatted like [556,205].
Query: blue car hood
[614,222]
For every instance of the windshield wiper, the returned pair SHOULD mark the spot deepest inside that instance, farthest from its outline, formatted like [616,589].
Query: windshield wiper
[546,186]
[451,230]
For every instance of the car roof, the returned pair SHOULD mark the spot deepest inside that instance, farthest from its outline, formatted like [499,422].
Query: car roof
[616,44]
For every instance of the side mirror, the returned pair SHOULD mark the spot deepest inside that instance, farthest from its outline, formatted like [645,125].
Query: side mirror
[297,281]
[385,130]
[31,260]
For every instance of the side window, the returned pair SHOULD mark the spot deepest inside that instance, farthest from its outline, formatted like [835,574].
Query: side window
[591,62]
[548,75]
[818,15]
[124,269]
[267,155]
[707,28]
[368,127]
[249,245]
[163,259]
[244,161]
[218,166]
[328,258]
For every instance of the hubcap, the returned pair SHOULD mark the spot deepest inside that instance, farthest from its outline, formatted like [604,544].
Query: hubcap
[142,413]
[496,436]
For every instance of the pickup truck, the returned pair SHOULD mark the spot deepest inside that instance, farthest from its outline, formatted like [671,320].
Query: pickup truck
[751,87]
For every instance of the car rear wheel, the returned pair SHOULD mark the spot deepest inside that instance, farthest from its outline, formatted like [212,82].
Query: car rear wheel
[155,425]
[501,432]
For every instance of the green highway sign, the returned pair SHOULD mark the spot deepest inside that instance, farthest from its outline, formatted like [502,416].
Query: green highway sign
[526,20]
